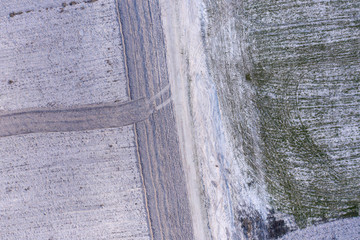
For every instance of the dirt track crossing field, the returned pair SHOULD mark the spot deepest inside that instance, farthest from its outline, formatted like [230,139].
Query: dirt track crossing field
[74,119]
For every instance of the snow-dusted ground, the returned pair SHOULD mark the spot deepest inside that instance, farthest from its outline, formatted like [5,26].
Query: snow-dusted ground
[207,145]
[83,184]
[344,229]
[274,115]
[305,65]
[72,185]
[197,116]
[57,54]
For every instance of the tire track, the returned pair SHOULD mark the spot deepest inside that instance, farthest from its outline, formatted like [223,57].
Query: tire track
[80,118]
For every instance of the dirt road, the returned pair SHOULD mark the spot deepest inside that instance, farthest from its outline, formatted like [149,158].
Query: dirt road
[157,136]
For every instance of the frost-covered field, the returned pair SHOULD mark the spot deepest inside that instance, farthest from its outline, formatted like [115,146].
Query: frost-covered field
[74,185]
[287,75]
[54,53]
[306,67]
[343,229]
[56,184]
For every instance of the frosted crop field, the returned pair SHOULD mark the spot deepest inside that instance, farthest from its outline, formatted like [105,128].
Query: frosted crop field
[287,77]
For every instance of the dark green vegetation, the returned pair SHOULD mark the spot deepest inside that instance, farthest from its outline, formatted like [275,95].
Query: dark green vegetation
[306,68]
[287,74]
[303,178]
